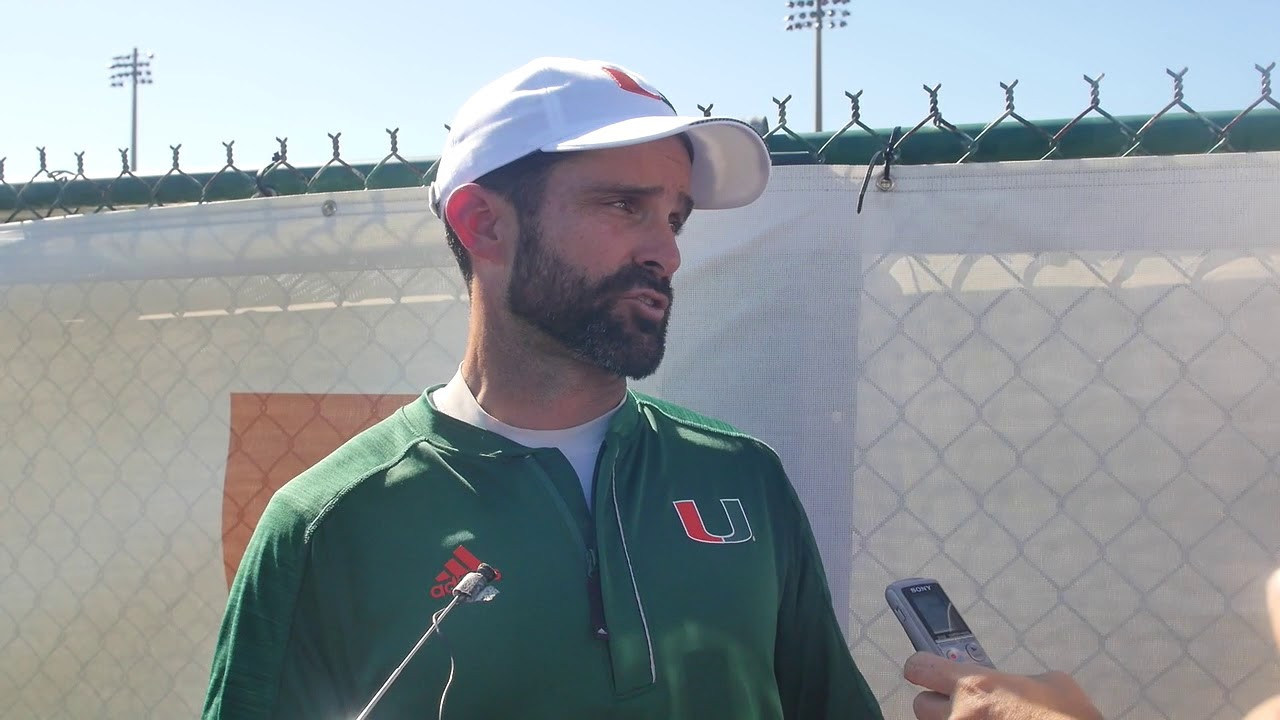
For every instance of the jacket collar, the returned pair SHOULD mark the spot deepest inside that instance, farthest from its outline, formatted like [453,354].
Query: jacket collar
[450,434]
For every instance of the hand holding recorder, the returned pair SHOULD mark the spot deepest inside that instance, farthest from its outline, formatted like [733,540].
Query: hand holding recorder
[967,691]
[961,682]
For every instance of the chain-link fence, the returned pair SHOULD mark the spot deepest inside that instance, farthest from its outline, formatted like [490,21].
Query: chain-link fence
[1093,462]
[1176,128]
[1050,386]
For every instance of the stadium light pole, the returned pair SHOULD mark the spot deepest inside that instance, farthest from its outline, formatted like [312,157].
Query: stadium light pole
[137,71]
[814,14]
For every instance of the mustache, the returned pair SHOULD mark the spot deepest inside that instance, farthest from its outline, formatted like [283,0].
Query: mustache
[632,277]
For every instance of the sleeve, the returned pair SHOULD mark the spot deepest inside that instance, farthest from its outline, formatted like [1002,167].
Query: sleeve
[816,675]
[259,665]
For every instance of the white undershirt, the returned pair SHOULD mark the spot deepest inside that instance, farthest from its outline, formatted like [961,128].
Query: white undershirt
[579,444]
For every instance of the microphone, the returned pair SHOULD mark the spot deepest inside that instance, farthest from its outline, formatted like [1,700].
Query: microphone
[472,588]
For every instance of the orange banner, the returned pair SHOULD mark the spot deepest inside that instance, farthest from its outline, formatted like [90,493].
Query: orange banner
[274,437]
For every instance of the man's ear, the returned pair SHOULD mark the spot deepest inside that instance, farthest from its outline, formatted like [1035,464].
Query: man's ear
[483,221]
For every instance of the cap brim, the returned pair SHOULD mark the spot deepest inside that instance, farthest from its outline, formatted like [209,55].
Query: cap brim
[730,161]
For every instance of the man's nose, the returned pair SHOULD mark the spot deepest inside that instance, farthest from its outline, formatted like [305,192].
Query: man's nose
[659,252]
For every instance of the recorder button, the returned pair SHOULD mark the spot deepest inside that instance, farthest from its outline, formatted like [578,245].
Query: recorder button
[975,652]
[898,612]
[955,655]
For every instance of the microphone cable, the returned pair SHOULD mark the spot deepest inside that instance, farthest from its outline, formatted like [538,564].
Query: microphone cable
[444,693]
[473,587]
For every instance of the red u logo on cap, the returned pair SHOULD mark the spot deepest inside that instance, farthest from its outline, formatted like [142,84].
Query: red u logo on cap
[628,83]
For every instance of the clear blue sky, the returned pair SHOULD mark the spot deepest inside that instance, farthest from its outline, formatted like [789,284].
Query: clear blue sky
[251,71]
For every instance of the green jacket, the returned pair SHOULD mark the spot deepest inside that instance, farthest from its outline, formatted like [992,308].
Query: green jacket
[692,589]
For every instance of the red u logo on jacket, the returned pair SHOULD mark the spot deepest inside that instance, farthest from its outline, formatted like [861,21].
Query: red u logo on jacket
[696,529]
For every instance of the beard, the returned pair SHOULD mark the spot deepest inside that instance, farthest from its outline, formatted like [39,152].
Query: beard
[581,315]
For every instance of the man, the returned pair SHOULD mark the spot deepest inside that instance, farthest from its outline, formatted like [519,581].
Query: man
[956,691]
[654,563]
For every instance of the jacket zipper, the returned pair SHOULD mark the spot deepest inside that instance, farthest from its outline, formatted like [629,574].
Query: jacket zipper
[595,598]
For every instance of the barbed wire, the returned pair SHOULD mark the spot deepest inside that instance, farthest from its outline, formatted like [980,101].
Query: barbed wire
[1176,128]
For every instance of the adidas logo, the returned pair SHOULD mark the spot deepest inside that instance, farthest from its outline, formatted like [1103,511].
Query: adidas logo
[455,567]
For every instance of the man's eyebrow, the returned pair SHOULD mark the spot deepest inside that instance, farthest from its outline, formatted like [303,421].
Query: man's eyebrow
[641,190]
[687,202]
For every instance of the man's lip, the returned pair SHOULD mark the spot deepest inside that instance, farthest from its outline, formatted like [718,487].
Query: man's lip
[660,301]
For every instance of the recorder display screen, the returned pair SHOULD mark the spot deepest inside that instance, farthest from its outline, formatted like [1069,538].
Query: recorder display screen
[934,607]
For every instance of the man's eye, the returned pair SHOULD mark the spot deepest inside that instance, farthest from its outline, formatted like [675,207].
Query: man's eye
[624,205]
[676,226]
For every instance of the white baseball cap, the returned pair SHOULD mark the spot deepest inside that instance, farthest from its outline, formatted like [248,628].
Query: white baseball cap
[564,105]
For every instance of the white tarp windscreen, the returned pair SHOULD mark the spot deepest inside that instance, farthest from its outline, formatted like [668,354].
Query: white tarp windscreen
[1051,385]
